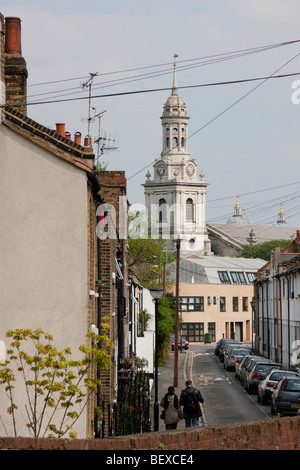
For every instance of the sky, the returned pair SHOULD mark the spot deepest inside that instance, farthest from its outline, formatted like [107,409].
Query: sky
[243,135]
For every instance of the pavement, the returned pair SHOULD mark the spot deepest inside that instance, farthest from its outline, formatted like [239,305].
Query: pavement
[166,378]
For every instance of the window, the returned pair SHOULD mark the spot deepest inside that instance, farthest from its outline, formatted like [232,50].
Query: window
[222,304]
[245,304]
[238,278]
[251,277]
[175,142]
[192,304]
[235,304]
[162,211]
[189,210]
[224,278]
[193,332]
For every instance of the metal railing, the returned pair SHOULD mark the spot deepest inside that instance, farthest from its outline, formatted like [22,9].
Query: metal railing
[131,413]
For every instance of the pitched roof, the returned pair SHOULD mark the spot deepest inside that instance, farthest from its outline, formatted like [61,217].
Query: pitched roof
[239,233]
[204,269]
[48,139]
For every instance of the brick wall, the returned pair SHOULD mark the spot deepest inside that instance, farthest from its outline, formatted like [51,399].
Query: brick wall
[113,185]
[276,434]
[92,301]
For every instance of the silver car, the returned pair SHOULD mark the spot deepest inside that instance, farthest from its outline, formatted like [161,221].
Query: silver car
[266,387]
[233,356]
[257,372]
[286,396]
[245,365]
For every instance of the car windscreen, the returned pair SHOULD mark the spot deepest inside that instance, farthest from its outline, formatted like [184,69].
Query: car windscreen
[293,386]
[278,375]
[263,367]
[239,352]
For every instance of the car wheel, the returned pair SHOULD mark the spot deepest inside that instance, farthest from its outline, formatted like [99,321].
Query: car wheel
[264,401]
[258,398]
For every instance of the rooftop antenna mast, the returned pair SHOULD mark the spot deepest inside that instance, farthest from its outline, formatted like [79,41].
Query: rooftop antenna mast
[88,84]
[101,141]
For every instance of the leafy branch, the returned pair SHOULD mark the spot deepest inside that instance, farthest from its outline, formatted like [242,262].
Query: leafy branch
[57,387]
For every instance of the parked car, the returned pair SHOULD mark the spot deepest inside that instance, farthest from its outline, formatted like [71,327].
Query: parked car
[181,340]
[234,355]
[286,396]
[257,372]
[219,346]
[245,366]
[224,347]
[228,348]
[266,387]
[241,364]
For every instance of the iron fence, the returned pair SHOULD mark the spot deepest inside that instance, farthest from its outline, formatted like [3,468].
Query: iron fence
[131,412]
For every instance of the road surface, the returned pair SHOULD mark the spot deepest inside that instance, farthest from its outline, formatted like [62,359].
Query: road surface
[225,400]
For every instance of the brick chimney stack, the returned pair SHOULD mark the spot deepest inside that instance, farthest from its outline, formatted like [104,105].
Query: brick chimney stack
[15,66]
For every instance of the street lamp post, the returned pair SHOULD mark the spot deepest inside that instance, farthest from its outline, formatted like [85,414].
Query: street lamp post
[156,295]
[175,382]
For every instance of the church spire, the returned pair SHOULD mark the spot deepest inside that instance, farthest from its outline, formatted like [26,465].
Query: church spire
[281,220]
[174,87]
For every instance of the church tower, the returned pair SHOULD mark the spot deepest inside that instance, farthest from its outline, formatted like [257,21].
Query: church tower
[176,197]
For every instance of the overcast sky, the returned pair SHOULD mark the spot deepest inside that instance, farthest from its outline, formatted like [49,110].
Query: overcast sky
[244,136]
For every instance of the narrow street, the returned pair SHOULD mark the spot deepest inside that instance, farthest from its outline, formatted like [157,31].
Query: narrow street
[226,401]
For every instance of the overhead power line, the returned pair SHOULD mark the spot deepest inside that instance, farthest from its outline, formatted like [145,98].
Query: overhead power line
[231,54]
[154,90]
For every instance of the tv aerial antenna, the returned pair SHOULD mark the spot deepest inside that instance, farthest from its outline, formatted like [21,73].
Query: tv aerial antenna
[102,142]
[88,84]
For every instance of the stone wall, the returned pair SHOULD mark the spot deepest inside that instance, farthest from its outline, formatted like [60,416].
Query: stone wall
[275,434]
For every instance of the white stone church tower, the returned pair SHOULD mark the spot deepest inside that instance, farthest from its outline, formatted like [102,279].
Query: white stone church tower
[176,198]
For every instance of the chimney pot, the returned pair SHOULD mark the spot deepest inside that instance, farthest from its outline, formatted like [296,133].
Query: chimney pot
[60,129]
[68,135]
[13,35]
[87,141]
[77,138]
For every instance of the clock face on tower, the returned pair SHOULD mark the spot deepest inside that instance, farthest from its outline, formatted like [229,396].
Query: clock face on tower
[190,169]
[161,168]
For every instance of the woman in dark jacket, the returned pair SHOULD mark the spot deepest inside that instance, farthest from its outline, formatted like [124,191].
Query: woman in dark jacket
[171,407]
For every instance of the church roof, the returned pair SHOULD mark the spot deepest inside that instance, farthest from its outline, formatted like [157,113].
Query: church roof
[239,233]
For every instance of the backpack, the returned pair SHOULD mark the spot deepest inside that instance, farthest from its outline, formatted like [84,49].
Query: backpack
[191,402]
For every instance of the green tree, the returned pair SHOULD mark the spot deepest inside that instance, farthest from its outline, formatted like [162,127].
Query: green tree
[146,258]
[56,387]
[263,250]
[166,323]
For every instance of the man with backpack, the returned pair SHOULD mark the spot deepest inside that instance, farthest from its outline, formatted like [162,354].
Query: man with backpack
[190,399]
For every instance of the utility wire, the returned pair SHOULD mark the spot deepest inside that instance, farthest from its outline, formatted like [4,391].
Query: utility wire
[231,106]
[249,50]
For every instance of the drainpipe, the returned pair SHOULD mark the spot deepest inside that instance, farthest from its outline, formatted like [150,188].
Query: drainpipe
[99,306]
[268,325]
[288,325]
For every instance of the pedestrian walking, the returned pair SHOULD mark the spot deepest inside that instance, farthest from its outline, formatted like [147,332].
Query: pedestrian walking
[171,413]
[190,399]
